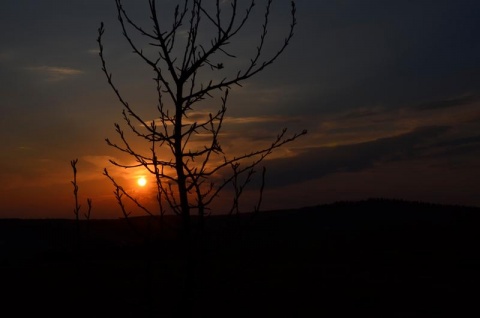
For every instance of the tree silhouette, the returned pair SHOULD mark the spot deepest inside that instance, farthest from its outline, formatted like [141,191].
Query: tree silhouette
[192,61]
[76,210]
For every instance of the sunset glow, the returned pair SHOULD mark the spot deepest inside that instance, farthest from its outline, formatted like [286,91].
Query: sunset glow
[189,158]
[142,181]
[391,104]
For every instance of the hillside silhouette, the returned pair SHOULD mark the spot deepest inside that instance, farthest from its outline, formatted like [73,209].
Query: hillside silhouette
[375,258]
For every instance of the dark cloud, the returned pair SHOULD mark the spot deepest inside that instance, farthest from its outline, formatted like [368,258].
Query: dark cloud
[318,162]
[445,103]
[469,146]
[359,113]
[460,141]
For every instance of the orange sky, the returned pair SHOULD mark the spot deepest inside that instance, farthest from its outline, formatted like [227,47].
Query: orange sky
[388,92]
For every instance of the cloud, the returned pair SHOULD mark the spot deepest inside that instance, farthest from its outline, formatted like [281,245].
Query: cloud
[200,117]
[366,124]
[255,120]
[446,103]
[6,56]
[463,146]
[460,141]
[318,162]
[95,51]
[359,113]
[98,161]
[54,73]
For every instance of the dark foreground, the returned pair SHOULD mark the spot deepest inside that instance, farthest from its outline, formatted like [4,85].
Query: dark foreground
[375,258]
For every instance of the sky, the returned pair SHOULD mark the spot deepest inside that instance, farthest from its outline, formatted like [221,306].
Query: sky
[388,91]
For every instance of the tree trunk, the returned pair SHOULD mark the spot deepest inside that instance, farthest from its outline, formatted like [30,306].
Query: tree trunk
[186,301]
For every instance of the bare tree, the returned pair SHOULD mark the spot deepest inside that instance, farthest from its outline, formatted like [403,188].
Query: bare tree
[76,209]
[191,59]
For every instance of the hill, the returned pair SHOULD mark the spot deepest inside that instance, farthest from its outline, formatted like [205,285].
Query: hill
[375,258]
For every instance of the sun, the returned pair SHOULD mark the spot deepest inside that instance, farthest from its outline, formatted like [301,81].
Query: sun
[142,181]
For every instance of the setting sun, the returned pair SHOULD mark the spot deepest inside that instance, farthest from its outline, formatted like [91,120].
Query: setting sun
[142,181]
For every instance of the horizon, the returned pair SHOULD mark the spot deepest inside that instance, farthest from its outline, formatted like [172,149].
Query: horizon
[388,93]
[372,200]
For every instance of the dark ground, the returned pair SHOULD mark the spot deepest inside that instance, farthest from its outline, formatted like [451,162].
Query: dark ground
[374,258]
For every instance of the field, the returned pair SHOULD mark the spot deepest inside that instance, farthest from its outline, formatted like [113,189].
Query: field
[373,258]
